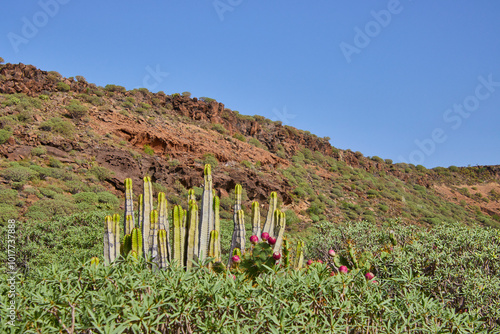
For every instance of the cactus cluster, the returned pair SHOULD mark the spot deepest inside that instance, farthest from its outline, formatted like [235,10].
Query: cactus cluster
[195,231]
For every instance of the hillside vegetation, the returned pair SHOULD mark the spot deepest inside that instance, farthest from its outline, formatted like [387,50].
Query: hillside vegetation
[67,145]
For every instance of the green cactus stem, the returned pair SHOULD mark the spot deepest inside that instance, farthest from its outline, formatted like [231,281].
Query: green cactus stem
[111,238]
[238,240]
[269,224]
[136,243]
[163,223]
[162,249]
[153,236]
[279,230]
[206,224]
[126,246]
[237,200]
[286,253]
[129,208]
[178,238]
[141,196]
[299,257]
[191,196]
[256,219]
[129,224]
[146,215]
[217,224]
[214,246]
[192,238]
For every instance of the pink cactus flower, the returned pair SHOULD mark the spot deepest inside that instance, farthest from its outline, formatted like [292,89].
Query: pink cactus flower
[234,277]
[309,262]
[331,252]
[236,259]
[320,261]
[333,273]
[369,276]
[254,239]
[343,269]
[264,236]
[277,256]
[271,240]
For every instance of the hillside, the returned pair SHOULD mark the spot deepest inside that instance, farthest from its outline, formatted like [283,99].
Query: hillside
[67,146]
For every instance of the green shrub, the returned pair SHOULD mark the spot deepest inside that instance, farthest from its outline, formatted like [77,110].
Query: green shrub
[115,88]
[8,211]
[86,197]
[206,99]
[5,134]
[210,159]
[107,201]
[58,125]
[8,196]
[76,110]
[19,174]
[247,164]
[219,128]
[186,94]
[148,150]
[240,137]
[101,173]
[145,105]
[388,161]
[255,142]
[45,209]
[63,87]
[11,100]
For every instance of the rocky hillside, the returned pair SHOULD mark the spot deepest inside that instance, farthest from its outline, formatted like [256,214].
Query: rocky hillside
[67,145]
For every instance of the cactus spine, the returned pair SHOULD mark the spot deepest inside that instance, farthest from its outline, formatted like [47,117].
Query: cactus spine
[256,219]
[146,216]
[269,224]
[129,208]
[206,224]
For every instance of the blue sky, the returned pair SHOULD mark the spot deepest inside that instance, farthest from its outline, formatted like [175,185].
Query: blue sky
[408,80]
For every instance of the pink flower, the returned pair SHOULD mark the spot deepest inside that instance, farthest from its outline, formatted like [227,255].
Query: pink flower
[271,240]
[277,256]
[332,273]
[254,239]
[264,236]
[331,252]
[236,259]
[343,269]
[369,276]
[309,262]
[320,261]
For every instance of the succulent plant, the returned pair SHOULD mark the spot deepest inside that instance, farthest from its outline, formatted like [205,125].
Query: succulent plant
[207,223]
[269,224]
[111,238]
[256,220]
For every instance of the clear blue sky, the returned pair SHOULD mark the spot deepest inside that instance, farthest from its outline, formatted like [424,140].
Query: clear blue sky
[415,81]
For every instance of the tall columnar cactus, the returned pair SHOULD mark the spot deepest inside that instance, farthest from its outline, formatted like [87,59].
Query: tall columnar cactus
[111,238]
[163,259]
[146,216]
[192,238]
[299,256]
[153,235]
[286,253]
[279,229]
[128,223]
[256,219]
[178,239]
[237,201]
[207,223]
[269,224]
[238,240]
[163,223]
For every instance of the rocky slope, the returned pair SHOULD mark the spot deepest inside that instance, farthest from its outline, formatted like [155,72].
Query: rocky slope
[170,137]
